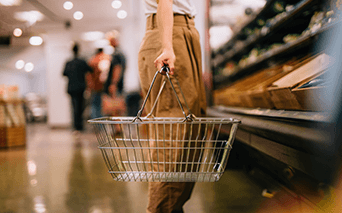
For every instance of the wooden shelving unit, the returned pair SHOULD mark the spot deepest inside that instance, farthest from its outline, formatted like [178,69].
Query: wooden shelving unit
[278,138]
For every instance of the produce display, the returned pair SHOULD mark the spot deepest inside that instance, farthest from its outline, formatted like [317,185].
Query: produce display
[256,35]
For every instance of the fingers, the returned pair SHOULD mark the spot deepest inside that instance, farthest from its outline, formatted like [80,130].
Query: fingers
[172,67]
[163,60]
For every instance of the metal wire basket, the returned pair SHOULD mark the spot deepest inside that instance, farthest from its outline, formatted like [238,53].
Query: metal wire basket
[157,149]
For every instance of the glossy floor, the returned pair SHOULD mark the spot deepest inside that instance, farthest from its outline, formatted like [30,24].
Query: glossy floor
[58,172]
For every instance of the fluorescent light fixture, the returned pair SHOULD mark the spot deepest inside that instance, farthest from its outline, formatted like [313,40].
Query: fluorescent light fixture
[29,16]
[68,5]
[17,32]
[92,36]
[36,40]
[78,15]
[19,64]
[10,2]
[116,4]
[29,67]
[122,14]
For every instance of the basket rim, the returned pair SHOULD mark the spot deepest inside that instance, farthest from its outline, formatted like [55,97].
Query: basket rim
[161,120]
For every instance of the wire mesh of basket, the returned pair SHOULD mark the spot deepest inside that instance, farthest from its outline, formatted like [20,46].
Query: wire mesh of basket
[165,149]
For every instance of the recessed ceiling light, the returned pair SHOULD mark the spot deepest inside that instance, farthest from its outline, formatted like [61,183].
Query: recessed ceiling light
[29,67]
[122,14]
[19,64]
[29,16]
[78,15]
[68,5]
[36,40]
[116,4]
[17,32]
[10,2]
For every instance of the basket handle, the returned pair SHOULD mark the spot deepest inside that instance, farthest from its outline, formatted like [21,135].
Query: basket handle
[165,71]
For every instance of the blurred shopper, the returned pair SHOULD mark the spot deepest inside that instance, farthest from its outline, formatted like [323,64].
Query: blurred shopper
[171,39]
[100,63]
[115,82]
[117,69]
[76,70]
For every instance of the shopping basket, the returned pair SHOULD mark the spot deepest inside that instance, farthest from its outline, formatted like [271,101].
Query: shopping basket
[165,149]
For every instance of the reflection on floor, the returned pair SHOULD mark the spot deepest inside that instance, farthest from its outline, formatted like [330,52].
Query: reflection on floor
[58,172]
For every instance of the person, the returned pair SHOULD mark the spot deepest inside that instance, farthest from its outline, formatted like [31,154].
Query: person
[117,66]
[100,63]
[171,39]
[75,70]
[116,76]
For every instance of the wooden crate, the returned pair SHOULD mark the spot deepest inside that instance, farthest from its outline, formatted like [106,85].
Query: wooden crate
[238,93]
[281,91]
[3,137]
[260,97]
[312,98]
[12,136]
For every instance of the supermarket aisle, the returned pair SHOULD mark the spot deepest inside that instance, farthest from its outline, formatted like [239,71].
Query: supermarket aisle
[58,173]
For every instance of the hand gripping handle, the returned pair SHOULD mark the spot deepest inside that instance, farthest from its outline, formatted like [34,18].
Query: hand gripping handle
[165,71]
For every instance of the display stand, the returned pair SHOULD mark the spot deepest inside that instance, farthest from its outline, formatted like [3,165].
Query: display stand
[12,123]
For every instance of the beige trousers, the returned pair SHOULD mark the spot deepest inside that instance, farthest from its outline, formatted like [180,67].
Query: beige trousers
[170,197]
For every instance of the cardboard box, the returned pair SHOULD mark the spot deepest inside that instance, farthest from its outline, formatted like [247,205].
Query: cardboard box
[281,90]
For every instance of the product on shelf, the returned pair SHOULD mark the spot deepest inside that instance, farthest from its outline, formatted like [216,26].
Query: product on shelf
[229,68]
[291,37]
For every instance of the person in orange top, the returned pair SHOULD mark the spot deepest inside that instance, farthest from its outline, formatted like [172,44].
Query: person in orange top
[100,63]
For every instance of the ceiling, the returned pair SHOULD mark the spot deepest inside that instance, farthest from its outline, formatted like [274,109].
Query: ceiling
[98,15]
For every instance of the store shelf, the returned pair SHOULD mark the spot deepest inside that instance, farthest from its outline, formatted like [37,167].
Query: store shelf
[290,137]
[221,81]
[273,113]
[238,30]
[265,33]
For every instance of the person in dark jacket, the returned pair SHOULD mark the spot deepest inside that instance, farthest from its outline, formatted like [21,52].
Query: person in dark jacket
[117,66]
[76,70]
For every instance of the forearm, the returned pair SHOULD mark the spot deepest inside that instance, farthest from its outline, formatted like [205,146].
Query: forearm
[165,23]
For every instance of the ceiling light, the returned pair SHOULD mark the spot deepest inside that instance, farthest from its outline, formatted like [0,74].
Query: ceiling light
[122,14]
[10,2]
[116,4]
[29,16]
[17,32]
[29,67]
[92,36]
[78,15]
[19,64]
[36,40]
[68,5]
